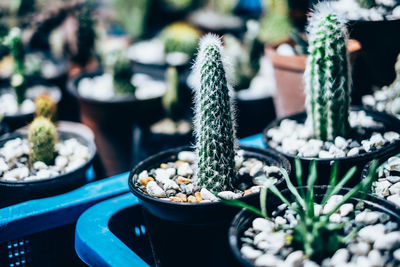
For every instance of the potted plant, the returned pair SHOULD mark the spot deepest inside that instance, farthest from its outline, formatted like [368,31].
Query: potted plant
[175,46]
[317,226]
[375,25]
[172,131]
[111,102]
[331,130]
[386,99]
[17,105]
[43,161]
[179,189]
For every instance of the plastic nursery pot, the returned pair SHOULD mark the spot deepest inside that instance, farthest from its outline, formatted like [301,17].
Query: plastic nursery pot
[4,129]
[244,218]
[390,123]
[111,121]
[380,41]
[289,71]
[194,234]
[147,143]
[15,192]
[19,120]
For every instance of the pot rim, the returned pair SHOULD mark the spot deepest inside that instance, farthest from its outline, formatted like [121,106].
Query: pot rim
[368,155]
[370,200]
[89,143]
[164,154]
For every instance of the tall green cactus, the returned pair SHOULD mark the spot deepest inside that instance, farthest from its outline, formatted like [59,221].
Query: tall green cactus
[42,138]
[214,123]
[327,75]
[122,74]
[86,37]
[18,80]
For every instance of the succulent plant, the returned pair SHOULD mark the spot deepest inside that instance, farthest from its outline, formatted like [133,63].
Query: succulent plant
[214,122]
[180,37]
[122,74]
[327,75]
[18,80]
[42,138]
[366,3]
[85,37]
[171,99]
[45,107]
[275,25]
[314,233]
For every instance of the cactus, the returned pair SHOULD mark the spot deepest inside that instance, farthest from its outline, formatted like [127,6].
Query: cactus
[18,80]
[276,25]
[171,98]
[85,37]
[122,74]
[42,138]
[327,75]
[366,3]
[45,107]
[214,123]
[180,37]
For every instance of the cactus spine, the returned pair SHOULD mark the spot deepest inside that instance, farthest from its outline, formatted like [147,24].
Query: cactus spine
[214,124]
[171,97]
[122,74]
[45,107]
[18,79]
[42,138]
[327,75]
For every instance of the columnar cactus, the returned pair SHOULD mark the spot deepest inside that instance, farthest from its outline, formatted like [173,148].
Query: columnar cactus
[122,74]
[180,37]
[85,37]
[42,138]
[327,75]
[18,80]
[171,97]
[46,107]
[214,123]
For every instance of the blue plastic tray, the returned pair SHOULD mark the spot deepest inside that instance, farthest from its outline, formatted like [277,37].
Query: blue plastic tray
[40,232]
[112,233]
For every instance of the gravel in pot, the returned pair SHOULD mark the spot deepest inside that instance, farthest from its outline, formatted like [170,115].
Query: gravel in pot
[331,130]
[318,226]
[38,163]
[179,189]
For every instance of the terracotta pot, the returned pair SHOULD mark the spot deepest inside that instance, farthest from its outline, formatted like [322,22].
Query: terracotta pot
[289,70]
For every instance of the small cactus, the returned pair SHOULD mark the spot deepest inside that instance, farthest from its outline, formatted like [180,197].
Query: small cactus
[46,107]
[85,37]
[366,3]
[327,75]
[18,80]
[42,138]
[122,74]
[170,100]
[214,123]
[180,37]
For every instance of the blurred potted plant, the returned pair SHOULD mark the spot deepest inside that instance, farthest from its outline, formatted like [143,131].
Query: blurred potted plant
[331,130]
[179,190]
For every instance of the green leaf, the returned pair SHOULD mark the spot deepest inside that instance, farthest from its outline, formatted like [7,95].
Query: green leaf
[299,174]
[332,181]
[241,204]
[263,200]
[310,184]
[293,189]
[276,192]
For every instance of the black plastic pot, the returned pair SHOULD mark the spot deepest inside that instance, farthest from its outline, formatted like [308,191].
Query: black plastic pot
[15,192]
[111,122]
[380,42]
[4,129]
[244,218]
[21,119]
[191,234]
[390,123]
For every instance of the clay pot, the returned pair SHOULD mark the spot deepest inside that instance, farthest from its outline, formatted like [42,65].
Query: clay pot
[289,70]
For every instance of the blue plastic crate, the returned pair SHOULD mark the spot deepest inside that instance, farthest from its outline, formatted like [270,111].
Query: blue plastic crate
[112,233]
[41,232]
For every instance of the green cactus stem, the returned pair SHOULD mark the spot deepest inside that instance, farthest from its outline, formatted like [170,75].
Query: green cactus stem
[86,37]
[46,107]
[214,123]
[122,74]
[42,138]
[18,80]
[327,75]
[171,99]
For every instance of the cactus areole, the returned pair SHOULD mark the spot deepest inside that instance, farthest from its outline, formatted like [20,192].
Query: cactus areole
[327,75]
[214,124]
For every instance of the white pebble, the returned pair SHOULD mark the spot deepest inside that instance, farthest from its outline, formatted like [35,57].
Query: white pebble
[187,156]
[228,195]
[387,241]
[38,165]
[184,169]
[154,190]
[345,209]
[367,217]
[250,253]
[207,195]
[263,225]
